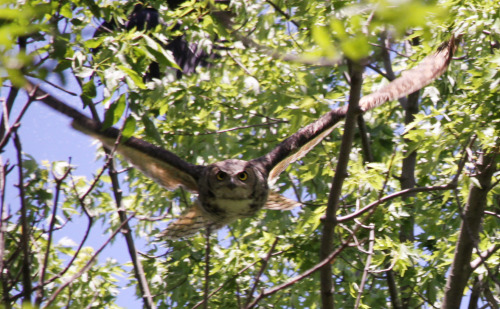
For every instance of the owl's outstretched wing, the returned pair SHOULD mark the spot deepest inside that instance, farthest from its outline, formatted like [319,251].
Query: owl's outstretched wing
[297,145]
[189,224]
[163,166]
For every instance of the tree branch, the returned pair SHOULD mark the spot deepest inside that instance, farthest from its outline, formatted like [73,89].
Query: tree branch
[483,256]
[117,193]
[138,270]
[305,274]
[40,292]
[401,193]
[469,232]
[261,271]
[288,18]
[3,231]
[367,265]
[207,267]
[327,239]
[25,230]
[365,140]
[87,265]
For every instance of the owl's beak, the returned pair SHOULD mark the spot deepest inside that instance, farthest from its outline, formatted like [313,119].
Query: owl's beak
[231,185]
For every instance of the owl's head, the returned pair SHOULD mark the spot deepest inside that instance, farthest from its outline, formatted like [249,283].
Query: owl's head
[233,179]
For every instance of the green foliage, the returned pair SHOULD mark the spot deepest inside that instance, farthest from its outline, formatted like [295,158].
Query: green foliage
[241,106]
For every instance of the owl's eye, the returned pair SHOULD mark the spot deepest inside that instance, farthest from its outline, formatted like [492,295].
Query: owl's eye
[221,176]
[243,176]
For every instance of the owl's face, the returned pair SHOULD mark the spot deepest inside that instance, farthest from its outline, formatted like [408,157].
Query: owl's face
[231,179]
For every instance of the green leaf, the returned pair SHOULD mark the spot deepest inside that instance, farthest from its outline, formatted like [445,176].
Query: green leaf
[89,89]
[323,39]
[134,80]
[356,48]
[114,112]
[129,127]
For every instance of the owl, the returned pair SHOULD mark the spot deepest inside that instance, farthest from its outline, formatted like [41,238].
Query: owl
[233,189]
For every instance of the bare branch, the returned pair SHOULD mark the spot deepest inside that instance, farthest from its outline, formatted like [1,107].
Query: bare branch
[491,213]
[493,300]
[138,270]
[7,107]
[274,53]
[365,140]
[268,124]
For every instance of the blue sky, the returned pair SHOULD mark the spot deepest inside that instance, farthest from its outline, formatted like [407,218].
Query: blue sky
[47,135]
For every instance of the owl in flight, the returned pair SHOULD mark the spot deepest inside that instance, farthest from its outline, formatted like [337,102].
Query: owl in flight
[233,189]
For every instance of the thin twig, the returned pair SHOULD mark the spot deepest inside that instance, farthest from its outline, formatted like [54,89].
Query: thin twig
[367,265]
[487,212]
[87,266]
[227,281]
[298,278]
[261,271]
[484,256]
[288,18]
[268,124]
[3,230]
[392,196]
[11,129]
[276,54]
[59,181]
[243,67]
[207,267]
[25,230]
[80,246]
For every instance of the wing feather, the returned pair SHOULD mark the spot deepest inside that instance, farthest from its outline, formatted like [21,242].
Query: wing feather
[414,79]
[163,166]
[276,201]
[298,144]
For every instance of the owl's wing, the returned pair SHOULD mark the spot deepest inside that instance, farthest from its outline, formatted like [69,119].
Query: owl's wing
[276,201]
[163,166]
[300,143]
[189,223]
